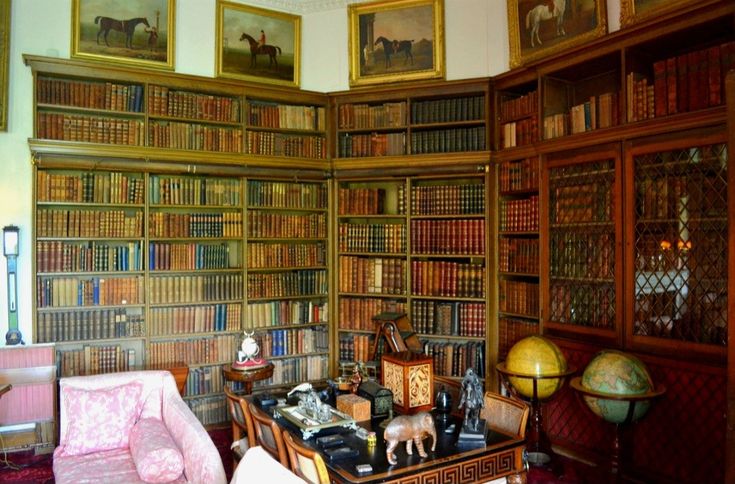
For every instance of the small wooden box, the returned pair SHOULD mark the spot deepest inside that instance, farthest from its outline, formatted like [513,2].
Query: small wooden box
[354,406]
[410,377]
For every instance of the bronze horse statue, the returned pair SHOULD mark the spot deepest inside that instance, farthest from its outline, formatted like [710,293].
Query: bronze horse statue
[391,47]
[472,399]
[125,26]
[270,50]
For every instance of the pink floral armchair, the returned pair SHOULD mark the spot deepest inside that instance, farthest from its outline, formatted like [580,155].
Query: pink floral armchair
[131,427]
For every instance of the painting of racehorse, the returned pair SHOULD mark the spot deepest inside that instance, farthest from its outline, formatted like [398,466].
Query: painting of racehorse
[139,32]
[396,41]
[539,28]
[257,44]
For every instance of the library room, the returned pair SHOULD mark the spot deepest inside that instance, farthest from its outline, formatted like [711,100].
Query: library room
[367,241]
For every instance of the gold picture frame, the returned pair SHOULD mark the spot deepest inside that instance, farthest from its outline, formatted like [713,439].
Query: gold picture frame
[539,28]
[4,66]
[398,40]
[135,32]
[255,44]
[635,11]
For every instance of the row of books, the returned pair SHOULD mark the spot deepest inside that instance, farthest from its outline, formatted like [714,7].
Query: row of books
[667,196]
[288,342]
[204,380]
[287,284]
[290,145]
[204,350]
[358,312]
[355,347]
[582,255]
[519,215]
[365,116]
[447,279]
[89,223]
[581,304]
[58,292]
[195,319]
[180,256]
[286,116]
[191,136]
[90,94]
[261,256]
[80,325]
[195,288]
[92,360]
[361,201]
[88,187]
[163,101]
[519,133]
[206,224]
[453,359]
[517,107]
[690,81]
[266,224]
[583,202]
[451,318]
[185,190]
[448,140]
[447,110]
[598,112]
[518,297]
[209,410]
[90,129]
[455,236]
[373,237]
[519,175]
[289,371]
[374,144]
[284,313]
[92,256]
[455,199]
[379,275]
[556,125]
[518,255]
[274,194]
[512,330]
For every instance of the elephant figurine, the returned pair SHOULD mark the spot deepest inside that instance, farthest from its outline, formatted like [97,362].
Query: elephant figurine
[411,428]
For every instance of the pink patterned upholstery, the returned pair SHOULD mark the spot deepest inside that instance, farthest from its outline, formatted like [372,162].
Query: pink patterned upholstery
[159,399]
[154,452]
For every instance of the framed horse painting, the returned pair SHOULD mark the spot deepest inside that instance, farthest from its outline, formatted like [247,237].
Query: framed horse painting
[539,28]
[139,32]
[634,11]
[259,45]
[396,40]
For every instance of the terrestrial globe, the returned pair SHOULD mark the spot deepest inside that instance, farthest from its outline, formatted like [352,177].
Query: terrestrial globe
[536,356]
[616,373]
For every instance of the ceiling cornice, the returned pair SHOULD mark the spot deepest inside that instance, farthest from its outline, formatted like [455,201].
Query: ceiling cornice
[301,6]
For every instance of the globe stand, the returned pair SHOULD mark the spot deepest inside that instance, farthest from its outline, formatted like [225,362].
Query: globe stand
[632,400]
[539,445]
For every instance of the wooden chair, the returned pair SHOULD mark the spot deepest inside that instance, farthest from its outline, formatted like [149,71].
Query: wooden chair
[451,385]
[268,434]
[505,414]
[306,463]
[243,432]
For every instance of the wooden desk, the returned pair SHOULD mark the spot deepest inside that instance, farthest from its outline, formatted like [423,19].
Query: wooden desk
[247,377]
[502,457]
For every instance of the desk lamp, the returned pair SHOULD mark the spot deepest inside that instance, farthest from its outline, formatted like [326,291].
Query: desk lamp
[11,250]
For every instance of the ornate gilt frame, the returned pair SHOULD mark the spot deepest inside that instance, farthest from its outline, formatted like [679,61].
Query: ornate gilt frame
[516,28]
[142,58]
[4,65]
[223,70]
[355,54]
[631,14]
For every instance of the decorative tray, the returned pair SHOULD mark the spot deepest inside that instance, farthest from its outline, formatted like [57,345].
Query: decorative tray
[310,426]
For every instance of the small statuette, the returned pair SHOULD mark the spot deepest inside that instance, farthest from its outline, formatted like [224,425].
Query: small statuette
[246,357]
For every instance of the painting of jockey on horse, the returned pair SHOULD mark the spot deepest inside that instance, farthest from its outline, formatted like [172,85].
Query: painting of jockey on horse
[257,44]
[392,41]
[541,27]
[133,32]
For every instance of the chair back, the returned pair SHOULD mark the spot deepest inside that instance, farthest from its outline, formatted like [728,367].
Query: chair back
[505,414]
[305,462]
[268,434]
[242,422]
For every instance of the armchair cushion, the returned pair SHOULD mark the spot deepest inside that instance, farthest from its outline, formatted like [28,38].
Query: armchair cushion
[156,456]
[101,419]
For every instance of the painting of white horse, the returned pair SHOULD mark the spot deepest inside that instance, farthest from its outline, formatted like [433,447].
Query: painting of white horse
[554,10]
